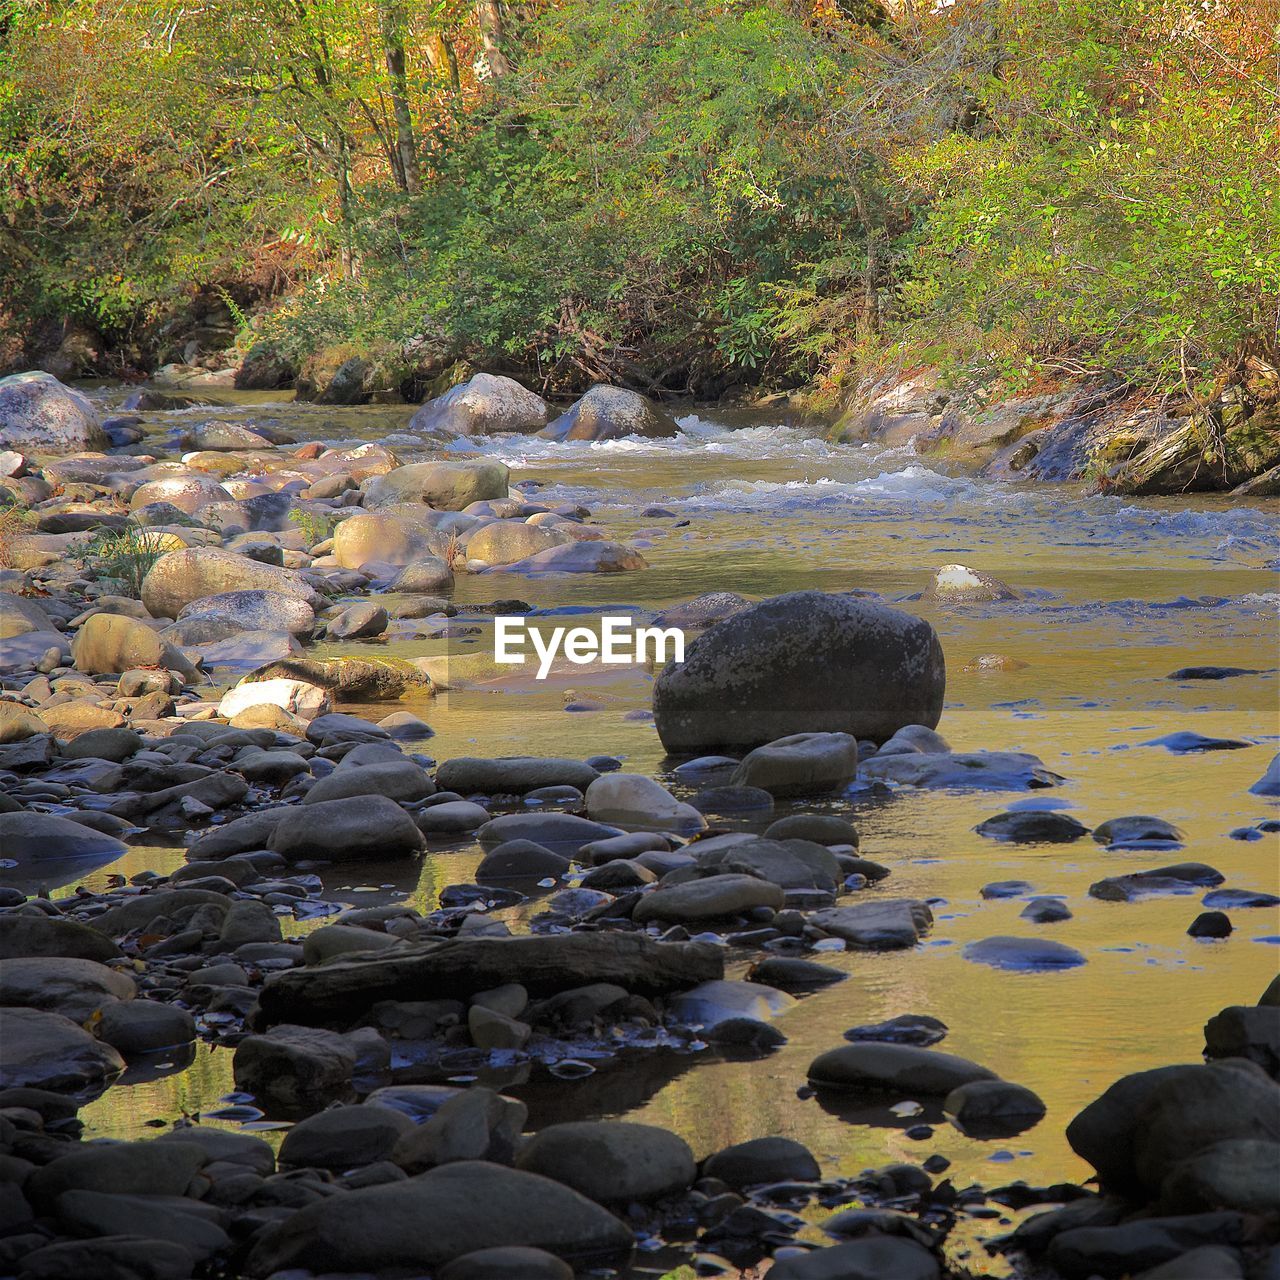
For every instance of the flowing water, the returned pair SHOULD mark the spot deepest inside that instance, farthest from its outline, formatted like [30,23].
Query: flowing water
[1115,595]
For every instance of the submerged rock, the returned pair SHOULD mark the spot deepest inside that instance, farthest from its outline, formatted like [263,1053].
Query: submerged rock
[702,611]
[31,838]
[963,770]
[907,1028]
[1137,832]
[993,1109]
[761,1161]
[1210,924]
[1032,827]
[1182,877]
[578,557]
[349,679]
[1269,783]
[1032,955]
[794,975]
[504,1263]
[712,1003]
[1187,742]
[563,833]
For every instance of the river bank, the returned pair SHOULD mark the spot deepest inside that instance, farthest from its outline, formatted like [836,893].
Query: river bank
[1108,599]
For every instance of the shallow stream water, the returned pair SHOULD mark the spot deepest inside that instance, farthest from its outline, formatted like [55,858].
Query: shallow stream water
[1115,595]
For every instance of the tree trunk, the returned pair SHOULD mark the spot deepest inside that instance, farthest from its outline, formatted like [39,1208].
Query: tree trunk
[407,171]
[871,272]
[443,60]
[346,209]
[489,16]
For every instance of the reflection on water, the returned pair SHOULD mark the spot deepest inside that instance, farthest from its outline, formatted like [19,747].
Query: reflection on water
[1116,594]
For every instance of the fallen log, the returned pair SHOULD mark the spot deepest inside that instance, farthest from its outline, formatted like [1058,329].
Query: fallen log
[337,994]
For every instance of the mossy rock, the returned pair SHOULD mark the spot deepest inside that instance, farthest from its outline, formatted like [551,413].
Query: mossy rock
[456,374]
[1206,453]
[351,679]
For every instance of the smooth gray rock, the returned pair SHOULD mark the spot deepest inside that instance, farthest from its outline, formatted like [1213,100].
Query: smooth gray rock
[482,405]
[506,1264]
[802,764]
[762,1160]
[40,415]
[345,1137]
[48,1051]
[897,1068]
[709,899]
[41,935]
[880,925]
[295,1070]
[875,1258]
[470,1205]
[611,1161]
[612,413]
[62,984]
[357,828]
[31,838]
[562,833]
[136,1027]
[963,770]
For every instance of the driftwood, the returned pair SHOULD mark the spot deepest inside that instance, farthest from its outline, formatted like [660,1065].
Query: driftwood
[337,994]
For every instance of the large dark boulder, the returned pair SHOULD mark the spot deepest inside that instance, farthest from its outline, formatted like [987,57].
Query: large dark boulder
[806,662]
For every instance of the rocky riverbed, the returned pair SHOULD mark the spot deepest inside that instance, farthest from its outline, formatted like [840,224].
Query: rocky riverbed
[922,923]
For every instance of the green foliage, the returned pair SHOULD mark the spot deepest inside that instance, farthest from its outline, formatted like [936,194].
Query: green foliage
[124,556]
[624,207]
[1120,209]
[664,195]
[314,526]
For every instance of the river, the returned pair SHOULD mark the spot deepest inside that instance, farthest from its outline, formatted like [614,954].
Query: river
[1115,594]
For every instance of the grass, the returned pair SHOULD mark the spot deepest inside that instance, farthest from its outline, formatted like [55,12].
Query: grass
[15,522]
[124,556]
